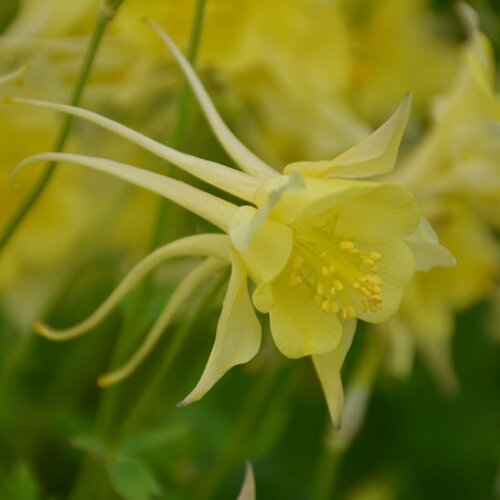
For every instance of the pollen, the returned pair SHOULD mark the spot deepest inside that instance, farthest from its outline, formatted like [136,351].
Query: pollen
[340,277]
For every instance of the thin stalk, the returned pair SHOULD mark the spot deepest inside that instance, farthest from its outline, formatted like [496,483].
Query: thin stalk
[235,446]
[338,442]
[147,396]
[133,321]
[165,210]
[105,14]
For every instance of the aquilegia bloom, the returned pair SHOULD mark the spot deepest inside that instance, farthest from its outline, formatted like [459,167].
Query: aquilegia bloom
[321,247]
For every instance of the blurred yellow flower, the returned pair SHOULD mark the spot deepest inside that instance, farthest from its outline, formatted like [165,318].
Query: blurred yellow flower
[321,247]
[395,47]
[455,175]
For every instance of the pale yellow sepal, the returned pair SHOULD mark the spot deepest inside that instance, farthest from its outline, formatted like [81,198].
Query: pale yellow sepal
[238,335]
[247,491]
[243,157]
[245,224]
[185,290]
[328,367]
[228,179]
[270,246]
[211,208]
[215,245]
[428,252]
[374,155]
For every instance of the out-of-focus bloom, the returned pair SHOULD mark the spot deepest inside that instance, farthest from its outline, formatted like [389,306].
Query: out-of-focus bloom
[455,174]
[461,154]
[284,77]
[32,264]
[395,47]
[321,247]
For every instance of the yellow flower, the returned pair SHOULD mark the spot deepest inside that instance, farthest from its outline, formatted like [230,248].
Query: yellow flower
[455,175]
[394,48]
[284,77]
[461,153]
[321,247]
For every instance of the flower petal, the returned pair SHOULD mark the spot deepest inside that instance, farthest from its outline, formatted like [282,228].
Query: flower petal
[298,327]
[270,245]
[385,213]
[396,268]
[262,297]
[328,368]
[374,155]
[238,334]
[211,208]
[215,245]
[185,290]
[243,157]
[266,198]
[426,248]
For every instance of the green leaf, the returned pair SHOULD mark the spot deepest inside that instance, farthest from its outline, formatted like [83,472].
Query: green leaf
[131,479]
[20,484]
[154,438]
[90,444]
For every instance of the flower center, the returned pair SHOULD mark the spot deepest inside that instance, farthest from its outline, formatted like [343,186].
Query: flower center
[340,277]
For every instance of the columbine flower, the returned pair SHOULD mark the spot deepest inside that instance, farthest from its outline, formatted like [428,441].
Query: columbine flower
[321,247]
[455,174]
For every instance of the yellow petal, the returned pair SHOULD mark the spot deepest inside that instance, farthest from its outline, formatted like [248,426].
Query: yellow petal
[396,268]
[262,297]
[319,195]
[269,194]
[207,206]
[385,213]
[297,326]
[238,334]
[270,244]
[427,250]
[374,155]
[328,368]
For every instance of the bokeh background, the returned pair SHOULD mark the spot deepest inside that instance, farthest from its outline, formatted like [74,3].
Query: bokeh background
[295,80]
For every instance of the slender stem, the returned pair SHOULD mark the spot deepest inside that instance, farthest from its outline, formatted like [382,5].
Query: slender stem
[147,396]
[133,321]
[337,442]
[234,448]
[166,210]
[326,474]
[105,14]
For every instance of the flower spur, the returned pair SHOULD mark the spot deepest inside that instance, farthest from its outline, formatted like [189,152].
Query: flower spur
[321,247]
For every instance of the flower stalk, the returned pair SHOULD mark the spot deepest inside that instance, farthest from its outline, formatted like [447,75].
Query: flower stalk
[105,14]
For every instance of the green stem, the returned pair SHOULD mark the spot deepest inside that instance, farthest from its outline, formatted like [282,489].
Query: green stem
[167,211]
[234,448]
[337,442]
[147,396]
[132,324]
[105,14]
[327,473]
